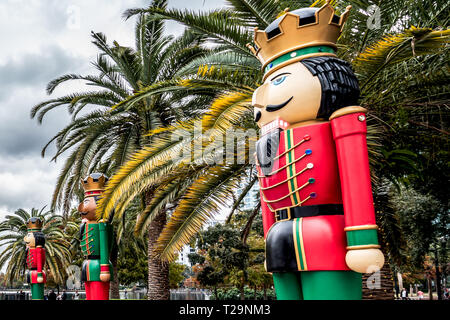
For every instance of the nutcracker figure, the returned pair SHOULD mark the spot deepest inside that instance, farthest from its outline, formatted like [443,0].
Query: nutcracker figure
[312,160]
[35,243]
[95,241]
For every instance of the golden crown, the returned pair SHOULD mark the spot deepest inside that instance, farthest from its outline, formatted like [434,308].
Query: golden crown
[292,36]
[94,184]
[34,224]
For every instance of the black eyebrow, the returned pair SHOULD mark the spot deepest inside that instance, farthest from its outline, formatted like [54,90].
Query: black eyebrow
[279,75]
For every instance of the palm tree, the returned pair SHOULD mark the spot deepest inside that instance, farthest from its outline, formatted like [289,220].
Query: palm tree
[126,244]
[105,138]
[406,55]
[12,231]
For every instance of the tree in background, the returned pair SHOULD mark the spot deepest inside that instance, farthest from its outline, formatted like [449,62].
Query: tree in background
[132,268]
[232,255]
[176,274]
[225,256]
[424,220]
[12,231]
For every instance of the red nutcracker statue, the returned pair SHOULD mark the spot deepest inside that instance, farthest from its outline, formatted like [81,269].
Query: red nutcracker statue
[35,242]
[95,241]
[312,160]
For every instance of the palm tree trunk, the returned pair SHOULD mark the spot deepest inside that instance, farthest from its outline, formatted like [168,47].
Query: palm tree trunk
[114,290]
[430,288]
[158,271]
[265,291]
[380,289]
[242,289]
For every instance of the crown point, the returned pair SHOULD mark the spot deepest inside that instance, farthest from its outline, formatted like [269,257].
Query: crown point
[298,29]
[260,38]
[34,223]
[289,23]
[283,13]
[94,183]
[251,48]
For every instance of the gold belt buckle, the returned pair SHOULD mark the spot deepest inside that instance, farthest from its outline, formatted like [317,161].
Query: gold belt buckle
[277,216]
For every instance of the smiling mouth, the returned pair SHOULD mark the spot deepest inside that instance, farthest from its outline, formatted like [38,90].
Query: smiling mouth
[275,107]
[83,213]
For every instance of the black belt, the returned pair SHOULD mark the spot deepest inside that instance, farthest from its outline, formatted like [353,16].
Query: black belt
[309,211]
[93,257]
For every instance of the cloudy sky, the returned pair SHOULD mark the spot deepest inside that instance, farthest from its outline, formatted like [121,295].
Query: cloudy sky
[41,40]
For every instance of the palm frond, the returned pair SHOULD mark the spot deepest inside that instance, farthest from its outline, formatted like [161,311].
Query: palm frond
[202,201]
[222,26]
[393,49]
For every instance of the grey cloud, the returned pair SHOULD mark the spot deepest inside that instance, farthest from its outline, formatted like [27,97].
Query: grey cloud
[26,182]
[36,69]
[197,4]
[22,85]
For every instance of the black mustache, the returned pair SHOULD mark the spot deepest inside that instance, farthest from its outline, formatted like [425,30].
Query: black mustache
[257,116]
[275,107]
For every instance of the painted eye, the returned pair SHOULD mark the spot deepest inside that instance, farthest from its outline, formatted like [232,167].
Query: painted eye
[279,80]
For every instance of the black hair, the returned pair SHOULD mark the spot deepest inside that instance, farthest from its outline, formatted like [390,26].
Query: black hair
[339,84]
[39,238]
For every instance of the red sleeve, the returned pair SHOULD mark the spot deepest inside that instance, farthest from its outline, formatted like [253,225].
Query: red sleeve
[40,258]
[349,133]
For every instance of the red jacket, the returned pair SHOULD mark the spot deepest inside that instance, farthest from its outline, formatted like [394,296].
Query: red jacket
[324,163]
[36,258]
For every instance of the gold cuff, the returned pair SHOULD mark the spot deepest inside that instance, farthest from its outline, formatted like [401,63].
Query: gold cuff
[362,227]
[367,246]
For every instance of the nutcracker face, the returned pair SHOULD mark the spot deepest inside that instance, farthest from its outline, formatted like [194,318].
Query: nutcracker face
[87,209]
[30,240]
[291,93]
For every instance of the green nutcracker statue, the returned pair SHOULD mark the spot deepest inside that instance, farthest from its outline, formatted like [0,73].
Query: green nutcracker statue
[35,242]
[95,237]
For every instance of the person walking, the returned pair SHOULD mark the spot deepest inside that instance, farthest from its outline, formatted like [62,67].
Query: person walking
[420,295]
[404,294]
[52,295]
[64,295]
[77,295]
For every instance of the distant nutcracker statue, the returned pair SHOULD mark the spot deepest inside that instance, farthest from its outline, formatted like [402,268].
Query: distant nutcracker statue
[95,241]
[312,160]
[35,243]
